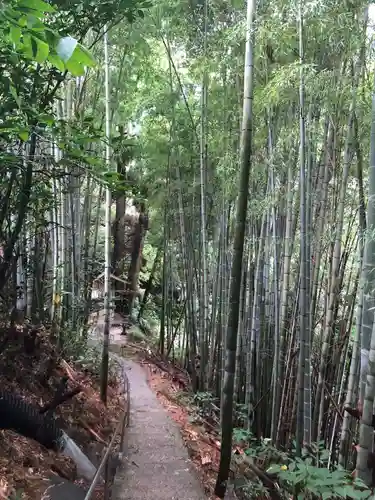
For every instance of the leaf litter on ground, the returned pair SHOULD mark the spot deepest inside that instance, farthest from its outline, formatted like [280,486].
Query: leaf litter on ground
[25,465]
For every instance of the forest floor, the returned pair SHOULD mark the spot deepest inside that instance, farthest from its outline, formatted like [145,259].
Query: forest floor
[27,469]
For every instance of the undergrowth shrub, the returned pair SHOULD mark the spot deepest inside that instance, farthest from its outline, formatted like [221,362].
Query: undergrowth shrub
[304,480]
[299,478]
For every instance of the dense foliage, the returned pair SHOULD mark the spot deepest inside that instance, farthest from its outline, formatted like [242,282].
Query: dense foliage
[302,309]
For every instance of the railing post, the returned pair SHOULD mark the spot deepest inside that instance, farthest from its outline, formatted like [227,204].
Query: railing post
[106,479]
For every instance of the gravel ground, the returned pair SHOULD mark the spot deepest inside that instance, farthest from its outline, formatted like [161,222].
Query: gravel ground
[156,464]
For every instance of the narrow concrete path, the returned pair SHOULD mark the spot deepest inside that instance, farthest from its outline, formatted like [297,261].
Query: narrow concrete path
[156,464]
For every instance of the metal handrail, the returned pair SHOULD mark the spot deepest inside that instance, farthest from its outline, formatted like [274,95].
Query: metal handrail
[124,422]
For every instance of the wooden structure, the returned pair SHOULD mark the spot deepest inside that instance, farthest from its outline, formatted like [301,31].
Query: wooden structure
[98,285]
[97,294]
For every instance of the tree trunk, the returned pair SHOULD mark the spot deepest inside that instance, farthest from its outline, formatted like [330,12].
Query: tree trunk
[236,272]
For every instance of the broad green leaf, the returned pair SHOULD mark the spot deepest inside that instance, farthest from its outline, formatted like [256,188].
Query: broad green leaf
[51,37]
[24,135]
[15,34]
[339,475]
[48,119]
[75,68]
[326,495]
[42,50]
[31,20]
[85,140]
[66,47]
[274,469]
[37,27]
[83,55]
[28,46]
[356,494]
[37,5]
[10,19]
[110,175]
[57,62]
[22,21]
[76,152]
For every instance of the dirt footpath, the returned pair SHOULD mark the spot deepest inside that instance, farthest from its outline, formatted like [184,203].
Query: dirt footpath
[156,464]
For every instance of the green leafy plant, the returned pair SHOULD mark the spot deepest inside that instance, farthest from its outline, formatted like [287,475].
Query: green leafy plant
[17,495]
[305,480]
[242,435]
[24,28]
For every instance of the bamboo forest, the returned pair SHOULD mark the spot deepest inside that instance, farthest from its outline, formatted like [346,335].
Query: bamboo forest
[187,249]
